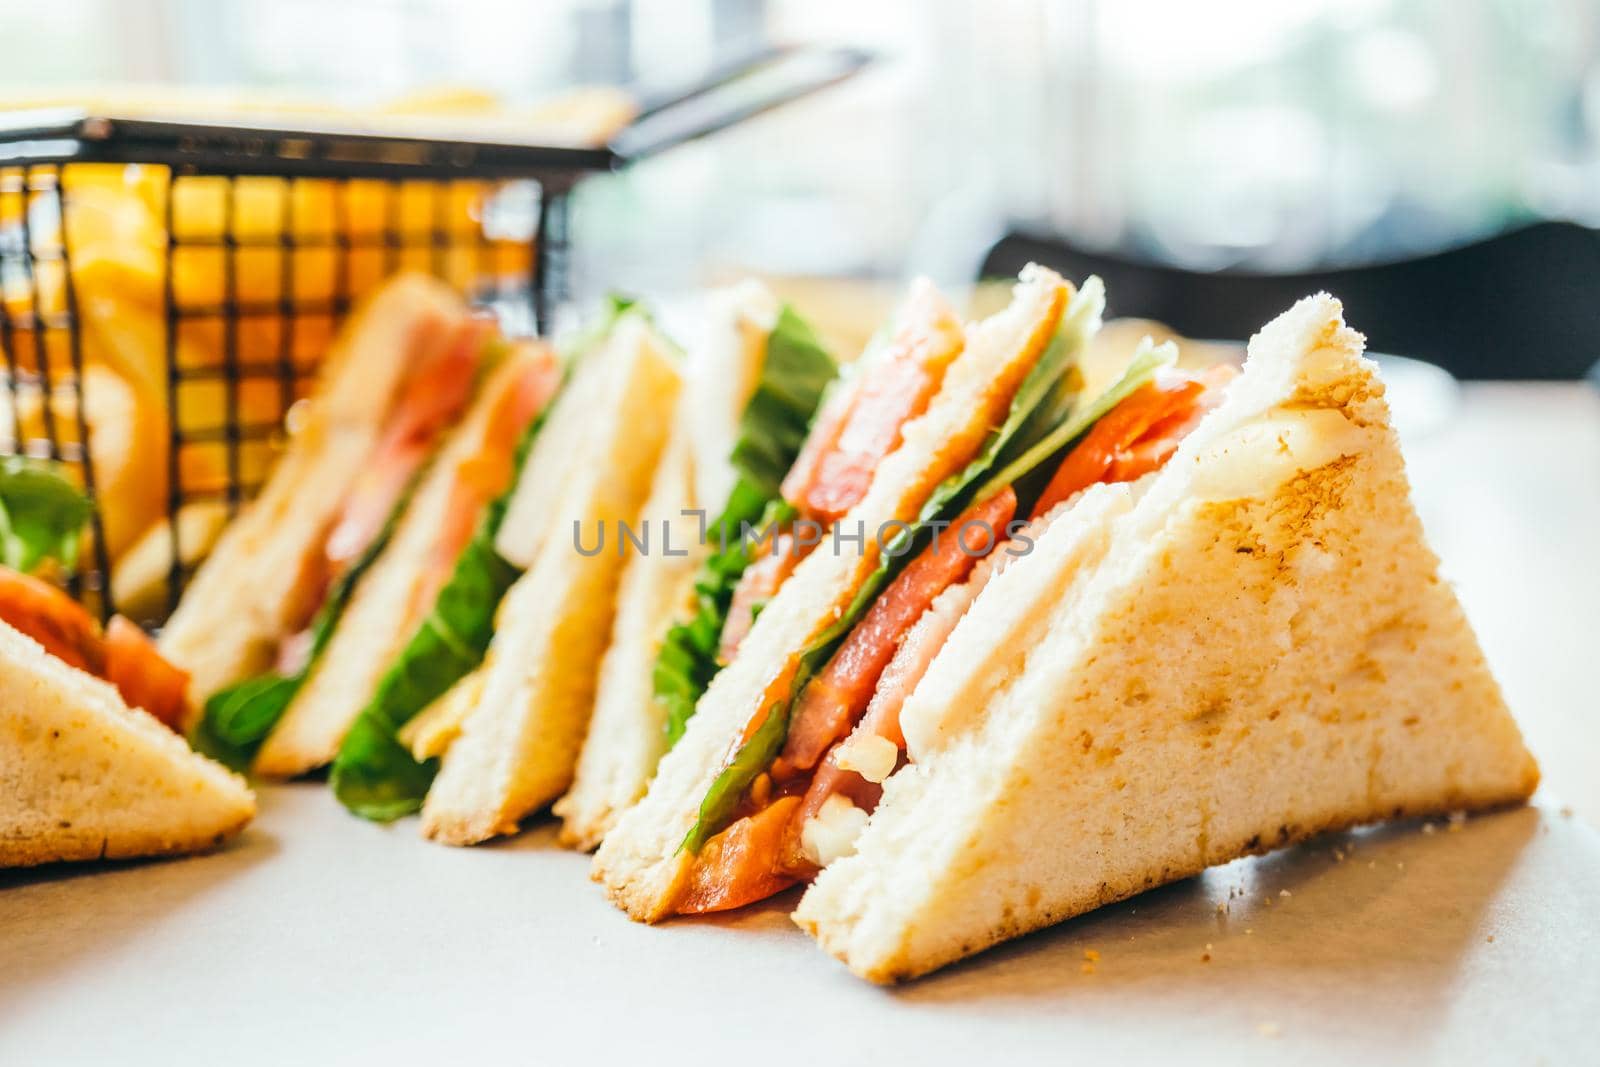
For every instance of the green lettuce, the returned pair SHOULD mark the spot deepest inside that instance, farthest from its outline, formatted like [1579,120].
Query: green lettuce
[42,514]
[1148,358]
[1046,395]
[238,719]
[795,373]
[374,775]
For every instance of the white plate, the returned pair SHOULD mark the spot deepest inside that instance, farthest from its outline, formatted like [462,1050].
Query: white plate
[321,938]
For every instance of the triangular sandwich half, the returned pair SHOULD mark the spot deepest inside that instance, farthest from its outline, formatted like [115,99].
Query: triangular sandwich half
[387,761]
[1248,647]
[85,777]
[263,581]
[925,413]
[752,384]
[588,467]
[519,741]
[436,535]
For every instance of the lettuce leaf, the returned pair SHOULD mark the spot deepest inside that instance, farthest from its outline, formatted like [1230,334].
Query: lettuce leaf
[374,775]
[688,658]
[795,373]
[1046,394]
[42,514]
[1147,359]
[753,757]
[773,426]
[238,718]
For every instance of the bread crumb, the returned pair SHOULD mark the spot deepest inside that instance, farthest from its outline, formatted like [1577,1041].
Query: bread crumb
[1268,1029]
[873,757]
[1205,957]
[1284,893]
[1248,930]
[1087,968]
[1491,939]
[1092,955]
[1429,828]
[1457,820]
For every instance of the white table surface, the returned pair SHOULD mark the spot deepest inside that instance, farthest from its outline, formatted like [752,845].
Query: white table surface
[319,938]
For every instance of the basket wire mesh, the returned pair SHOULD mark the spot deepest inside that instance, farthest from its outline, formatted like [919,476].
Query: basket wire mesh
[256,273]
[169,286]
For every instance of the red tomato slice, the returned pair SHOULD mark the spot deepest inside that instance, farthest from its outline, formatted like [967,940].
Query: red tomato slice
[1139,434]
[52,618]
[759,583]
[739,866]
[833,702]
[836,466]
[142,676]
[123,655]
[486,474]
[432,397]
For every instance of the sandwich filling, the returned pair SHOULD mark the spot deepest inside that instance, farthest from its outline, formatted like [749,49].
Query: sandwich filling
[776,427]
[800,804]
[42,517]
[834,470]
[451,613]
[376,774]
[120,654]
[446,371]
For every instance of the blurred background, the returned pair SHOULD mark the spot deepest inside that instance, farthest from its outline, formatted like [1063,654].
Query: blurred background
[1173,139]
[1435,163]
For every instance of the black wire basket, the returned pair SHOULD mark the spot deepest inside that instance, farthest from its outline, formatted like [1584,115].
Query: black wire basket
[209,265]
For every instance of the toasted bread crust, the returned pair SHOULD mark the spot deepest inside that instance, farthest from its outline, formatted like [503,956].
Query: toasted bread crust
[1267,653]
[640,862]
[244,597]
[519,743]
[83,777]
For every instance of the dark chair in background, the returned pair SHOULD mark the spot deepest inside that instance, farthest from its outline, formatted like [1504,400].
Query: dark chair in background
[1523,304]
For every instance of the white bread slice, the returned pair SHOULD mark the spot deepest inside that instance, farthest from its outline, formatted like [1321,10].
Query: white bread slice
[1266,652]
[383,612]
[639,862]
[84,777]
[519,744]
[567,434]
[627,732]
[720,374]
[244,599]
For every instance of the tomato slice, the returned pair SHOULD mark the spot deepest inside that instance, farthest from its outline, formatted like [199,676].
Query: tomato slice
[852,434]
[833,702]
[1139,434]
[432,397]
[759,583]
[53,619]
[834,470]
[740,865]
[487,472]
[142,676]
[123,655]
